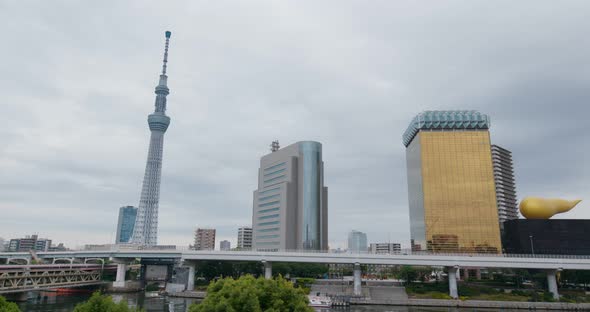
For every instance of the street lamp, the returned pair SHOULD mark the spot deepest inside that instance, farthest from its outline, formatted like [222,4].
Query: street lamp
[532,249]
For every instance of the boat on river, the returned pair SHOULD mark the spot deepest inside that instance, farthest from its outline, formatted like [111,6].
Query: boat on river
[320,301]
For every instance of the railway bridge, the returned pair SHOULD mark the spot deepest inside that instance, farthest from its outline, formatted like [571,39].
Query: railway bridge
[23,278]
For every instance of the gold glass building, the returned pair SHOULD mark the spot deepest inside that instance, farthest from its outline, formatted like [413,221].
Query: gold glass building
[451,188]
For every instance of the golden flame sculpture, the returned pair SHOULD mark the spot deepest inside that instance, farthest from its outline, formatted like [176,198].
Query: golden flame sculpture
[542,208]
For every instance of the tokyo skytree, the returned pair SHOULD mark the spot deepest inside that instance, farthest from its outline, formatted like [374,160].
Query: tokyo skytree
[145,231]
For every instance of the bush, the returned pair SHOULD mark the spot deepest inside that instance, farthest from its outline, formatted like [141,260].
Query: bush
[469,291]
[438,295]
[253,295]
[548,296]
[304,283]
[152,287]
[6,306]
[99,303]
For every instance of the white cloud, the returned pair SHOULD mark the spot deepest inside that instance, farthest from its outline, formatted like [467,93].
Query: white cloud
[79,78]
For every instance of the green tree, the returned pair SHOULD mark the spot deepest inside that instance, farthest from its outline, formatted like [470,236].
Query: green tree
[249,294]
[6,306]
[210,270]
[408,274]
[100,303]
[312,270]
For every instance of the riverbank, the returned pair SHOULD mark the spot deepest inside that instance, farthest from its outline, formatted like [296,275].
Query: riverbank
[395,295]
[188,294]
[444,303]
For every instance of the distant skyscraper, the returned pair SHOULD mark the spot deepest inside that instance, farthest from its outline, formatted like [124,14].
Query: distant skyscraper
[291,204]
[505,185]
[452,195]
[385,248]
[145,231]
[357,242]
[126,223]
[224,245]
[204,239]
[245,238]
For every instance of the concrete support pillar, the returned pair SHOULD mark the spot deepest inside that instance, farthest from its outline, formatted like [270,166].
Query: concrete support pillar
[120,280]
[453,282]
[465,274]
[478,274]
[267,270]
[552,283]
[357,280]
[190,284]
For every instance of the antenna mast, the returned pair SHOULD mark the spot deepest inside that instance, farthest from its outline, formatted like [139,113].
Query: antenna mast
[274,146]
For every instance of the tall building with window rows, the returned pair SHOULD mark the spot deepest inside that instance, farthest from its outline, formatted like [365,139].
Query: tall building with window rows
[290,210]
[451,187]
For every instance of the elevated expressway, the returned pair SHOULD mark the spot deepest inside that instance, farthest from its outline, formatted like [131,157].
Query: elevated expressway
[550,263]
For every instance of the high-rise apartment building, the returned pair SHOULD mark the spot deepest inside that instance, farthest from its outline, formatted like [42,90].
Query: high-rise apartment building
[145,231]
[245,238]
[451,188]
[224,245]
[126,223]
[357,242]
[291,203]
[385,248]
[505,185]
[204,239]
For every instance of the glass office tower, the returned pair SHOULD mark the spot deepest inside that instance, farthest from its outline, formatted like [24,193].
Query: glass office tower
[126,224]
[290,209]
[357,242]
[451,187]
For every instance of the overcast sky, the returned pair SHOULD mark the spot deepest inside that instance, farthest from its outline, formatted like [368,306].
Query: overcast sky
[78,80]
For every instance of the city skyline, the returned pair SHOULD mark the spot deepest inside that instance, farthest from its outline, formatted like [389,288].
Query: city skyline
[67,179]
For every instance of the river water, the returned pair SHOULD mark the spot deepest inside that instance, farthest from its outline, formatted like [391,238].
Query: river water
[52,302]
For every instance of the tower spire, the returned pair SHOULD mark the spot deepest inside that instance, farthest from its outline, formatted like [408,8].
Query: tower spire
[168,34]
[162,88]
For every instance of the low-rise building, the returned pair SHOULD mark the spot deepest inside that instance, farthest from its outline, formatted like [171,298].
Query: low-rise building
[385,248]
[224,245]
[29,242]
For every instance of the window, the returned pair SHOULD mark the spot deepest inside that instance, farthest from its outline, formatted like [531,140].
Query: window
[269,197]
[269,230]
[269,203]
[274,167]
[268,236]
[267,243]
[268,210]
[274,172]
[268,223]
[268,217]
[269,191]
[274,179]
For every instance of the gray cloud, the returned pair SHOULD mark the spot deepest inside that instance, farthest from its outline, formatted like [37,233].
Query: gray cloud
[79,82]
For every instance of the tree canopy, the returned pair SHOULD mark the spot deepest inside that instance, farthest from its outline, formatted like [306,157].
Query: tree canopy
[6,306]
[249,294]
[100,303]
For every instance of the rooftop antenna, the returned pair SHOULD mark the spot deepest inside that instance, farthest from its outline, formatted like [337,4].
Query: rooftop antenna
[274,146]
